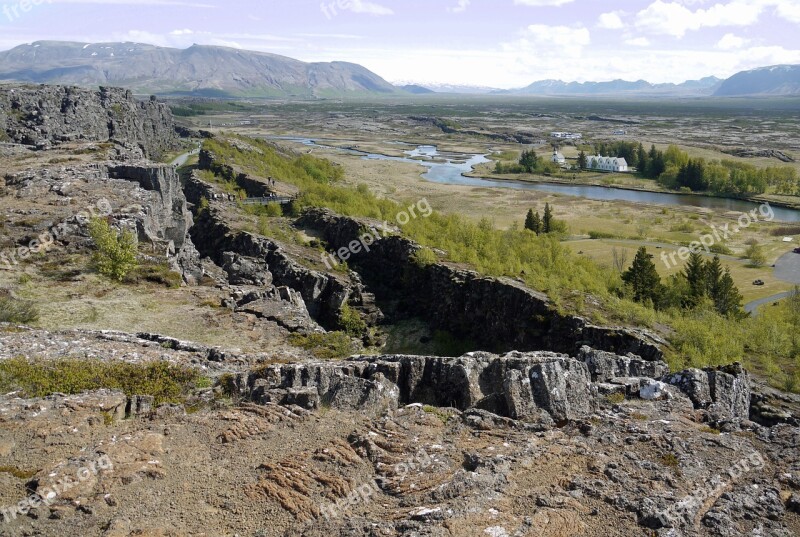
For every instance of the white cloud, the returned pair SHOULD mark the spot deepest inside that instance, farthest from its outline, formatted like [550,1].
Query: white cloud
[638,42]
[364,6]
[542,3]
[611,21]
[460,8]
[731,42]
[543,43]
[789,10]
[185,31]
[672,18]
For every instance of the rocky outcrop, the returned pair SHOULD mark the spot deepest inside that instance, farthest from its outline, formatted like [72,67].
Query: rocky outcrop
[540,386]
[42,116]
[168,220]
[724,392]
[605,366]
[498,313]
[252,258]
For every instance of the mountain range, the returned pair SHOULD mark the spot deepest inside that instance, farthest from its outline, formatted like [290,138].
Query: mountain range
[705,86]
[228,72]
[198,70]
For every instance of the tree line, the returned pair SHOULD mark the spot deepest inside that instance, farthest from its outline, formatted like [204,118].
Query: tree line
[544,225]
[674,169]
[700,283]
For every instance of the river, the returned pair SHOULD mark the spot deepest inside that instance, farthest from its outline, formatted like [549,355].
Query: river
[450,169]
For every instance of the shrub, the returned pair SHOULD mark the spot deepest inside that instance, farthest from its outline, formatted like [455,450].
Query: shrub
[425,256]
[17,311]
[327,346]
[720,249]
[159,273]
[595,235]
[116,251]
[351,322]
[167,383]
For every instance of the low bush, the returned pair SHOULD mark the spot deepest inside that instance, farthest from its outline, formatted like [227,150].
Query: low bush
[167,383]
[327,346]
[116,251]
[351,323]
[17,311]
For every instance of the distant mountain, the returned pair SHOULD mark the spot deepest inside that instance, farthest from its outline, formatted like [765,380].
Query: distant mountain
[452,88]
[199,70]
[705,86]
[416,89]
[775,80]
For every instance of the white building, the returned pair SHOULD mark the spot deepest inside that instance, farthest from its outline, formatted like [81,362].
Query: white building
[606,164]
[558,158]
[566,135]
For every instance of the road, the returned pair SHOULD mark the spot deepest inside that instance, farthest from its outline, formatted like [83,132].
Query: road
[787,268]
[180,160]
[752,307]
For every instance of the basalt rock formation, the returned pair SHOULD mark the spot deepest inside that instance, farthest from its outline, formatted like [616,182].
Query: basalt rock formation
[42,116]
[499,313]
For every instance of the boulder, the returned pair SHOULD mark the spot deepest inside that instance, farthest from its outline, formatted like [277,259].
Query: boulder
[725,391]
[606,365]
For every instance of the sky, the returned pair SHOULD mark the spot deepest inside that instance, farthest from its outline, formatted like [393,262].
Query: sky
[491,43]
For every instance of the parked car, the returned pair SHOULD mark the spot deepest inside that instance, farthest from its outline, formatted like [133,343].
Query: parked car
[758,282]
[797,250]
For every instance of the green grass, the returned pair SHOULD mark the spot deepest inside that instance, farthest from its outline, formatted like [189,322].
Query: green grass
[327,346]
[17,311]
[167,383]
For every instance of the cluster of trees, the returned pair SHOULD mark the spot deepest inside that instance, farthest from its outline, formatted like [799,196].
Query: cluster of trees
[529,162]
[701,282]
[544,225]
[674,169]
[627,150]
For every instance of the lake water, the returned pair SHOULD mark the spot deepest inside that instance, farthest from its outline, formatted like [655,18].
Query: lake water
[449,169]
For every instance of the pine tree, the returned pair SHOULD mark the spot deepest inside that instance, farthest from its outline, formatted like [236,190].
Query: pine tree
[533,222]
[641,160]
[643,278]
[529,161]
[728,299]
[695,273]
[714,272]
[547,221]
[537,223]
[582,160]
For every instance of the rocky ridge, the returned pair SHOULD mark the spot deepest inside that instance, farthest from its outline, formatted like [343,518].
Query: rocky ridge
[41,116]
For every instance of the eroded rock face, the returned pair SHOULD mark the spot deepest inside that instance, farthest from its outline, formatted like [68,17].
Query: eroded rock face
[497,313]
[42,116]
[540,385]
[167,221]
[605,366]
[724,391]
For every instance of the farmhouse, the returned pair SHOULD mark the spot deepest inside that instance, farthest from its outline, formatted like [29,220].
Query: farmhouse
[607,164]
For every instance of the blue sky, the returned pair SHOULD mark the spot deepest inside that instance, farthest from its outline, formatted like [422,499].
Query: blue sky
[497,43]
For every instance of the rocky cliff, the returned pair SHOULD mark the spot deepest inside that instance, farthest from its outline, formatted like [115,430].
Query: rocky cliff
[42,116]
[497,313]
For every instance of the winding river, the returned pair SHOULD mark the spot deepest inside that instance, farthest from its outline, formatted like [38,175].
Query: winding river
[450,169]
